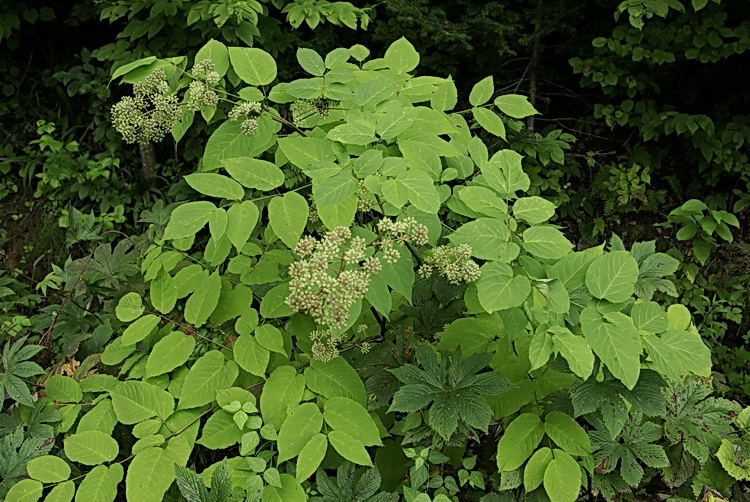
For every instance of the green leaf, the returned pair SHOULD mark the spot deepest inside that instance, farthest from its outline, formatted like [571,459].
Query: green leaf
[678,352]
[311,62]
[135,401]
[519,441]
[269,337]
[140,329]
[374,92]
[489,121]
[63,492]
[203,301]
[445,97]
[250,355]
[420,190]
[533,473]
[254,173]
[283,388]
[546,242]
[738,468]
[64,389]
[152,471]
[533,209]
[287,216]
[649,317]
[48,469]
[567,434]
[614,339]
[697,5]
[401,56]
[126,68]
[170,352]
[562,478]
[515,105]
[334,190]
[504,174]
[129,308]
[400,275]
[217,53]
[339,215]
[163,292]
[100,484]
[499,290]
[289,491]
[252,65]
[304,151]
[209,374]
[273,304]
[356,133]
[215,185]
[311,456]
[484,201]
[394,122]
[575,350]
[26,490]
[301,425]
[571,269]
[228,142]
[91,447]
[613,276]
[343,414]
[482,91]
[486,237]
[220,431]
[241,221]
[349,447]
[188,219]
[335,378]
[679,317]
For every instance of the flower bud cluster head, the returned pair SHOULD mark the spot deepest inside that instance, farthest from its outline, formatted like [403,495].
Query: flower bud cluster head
[453,263]
[405,230]
[249,110]
[303,108]
[331,275]
[150,113]
[325,345]
[205,70]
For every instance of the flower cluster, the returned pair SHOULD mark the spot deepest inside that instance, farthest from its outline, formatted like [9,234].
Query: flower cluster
[150,113]
[332,274]
[325,345]
[249,110]
[405,230]
[303,108]
[200,93]
[453,263]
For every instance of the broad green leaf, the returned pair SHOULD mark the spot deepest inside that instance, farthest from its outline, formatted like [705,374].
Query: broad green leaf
[571,268]
[100,484]
[614,339]
[375,92]
[394,122]
[471,334]
[482,91]
[301,425]
[343,414]
[135,401]
[170,352]
[395,193]
[613,276]
[504,174]
[220,431]
[129,308]
[335,378]
[203,301]
[349,447]
[209,374]
[287,216]
[228,142]
[311,62]
[91,447]
[64,492]
[339,215]
[357,133]
[64,389]
[283,388]
[533,473]
[540,349]
[215,185]
[140,329]
[274,304]
[311,456]
[48,469]
[533,209]
[254,173]
[401,56]
[151,472]
[499,290]
[188,219]
[101,417]
[252,65]
[567,434]
[420,190]
[379,295]
[163,292]
[126,68]
[445,97]
[575,350]
[241,221]
[289,491]
[546,242]
[562,478]
[649,317]
[217,53]
[679,317]
[400,275]
[269,337]
[558,299]
[250,355]
[26,490]
[484,201]
[515,105]
[678,352]
[334,190]
[116,352]
[489,121]
[486,237]
[519,441]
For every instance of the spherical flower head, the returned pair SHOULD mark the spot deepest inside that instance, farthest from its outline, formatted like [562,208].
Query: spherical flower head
[148,115]
[249,127]
[390,253]
[454,263]
[365,348]
[305,246]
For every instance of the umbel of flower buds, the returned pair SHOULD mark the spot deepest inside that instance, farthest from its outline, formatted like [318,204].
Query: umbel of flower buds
[150,113]
[453,263]
[249,110]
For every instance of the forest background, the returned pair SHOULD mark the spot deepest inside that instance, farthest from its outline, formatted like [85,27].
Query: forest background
[642,134]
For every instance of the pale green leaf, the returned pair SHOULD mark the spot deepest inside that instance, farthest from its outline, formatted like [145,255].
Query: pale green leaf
[562,478]
[394,122]
[209,374]
[252,65]
[26,490]
[343,414]
[217,53]
[349,447]
[170,352]
[420,190]
[220,431]
[215,185]
[311,62]
[135,401]
[486,237]
[63,389]
[100,484]
[567,434]
[241,220]
[91,447]
[287,216]
[269,337]
[401,56]
[48,469]
[334,190]
[311,456]
[250,355]
[504,174]
[64,492]
[335,378]
[129,308]
[499,290]
[283,388]
[519,441]
[489,121]
[533,209]
[533,473]
[575,350]
[614,339]
[613,276]
[482,91]
[340,214]
[649,317]
[254,173]
[301,425]
[163,292]
[140,329]
[546,242]
[445,97]
[356,133]
[484,201]
[677,352]
[515,105]
[188,219]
